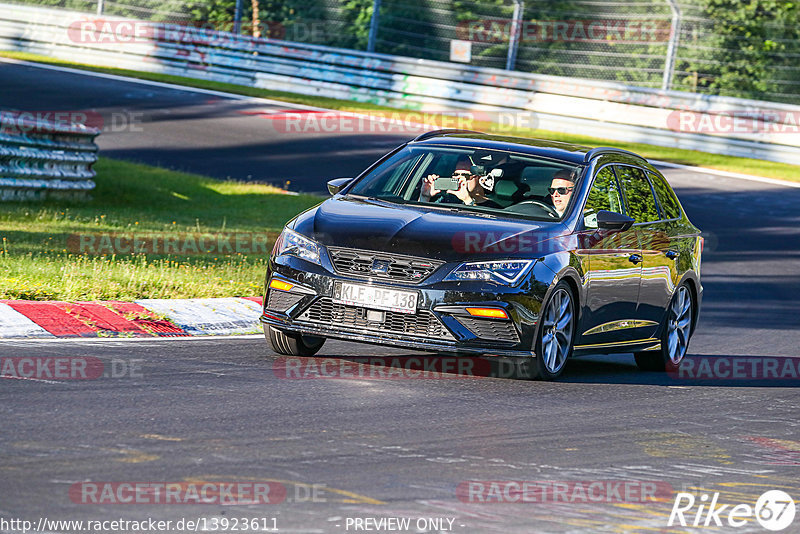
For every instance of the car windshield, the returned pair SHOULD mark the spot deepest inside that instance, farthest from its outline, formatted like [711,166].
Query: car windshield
[505,183]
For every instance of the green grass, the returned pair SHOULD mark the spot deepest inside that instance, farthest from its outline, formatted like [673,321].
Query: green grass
[36,262]
[687,157]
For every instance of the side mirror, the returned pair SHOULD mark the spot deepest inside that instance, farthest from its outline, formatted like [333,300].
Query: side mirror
[337,184]
[609,220]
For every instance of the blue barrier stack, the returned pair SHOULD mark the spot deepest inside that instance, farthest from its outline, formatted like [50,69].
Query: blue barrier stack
[41,160]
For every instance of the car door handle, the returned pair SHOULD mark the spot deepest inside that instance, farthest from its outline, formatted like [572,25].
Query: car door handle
[672,254]
[635,258]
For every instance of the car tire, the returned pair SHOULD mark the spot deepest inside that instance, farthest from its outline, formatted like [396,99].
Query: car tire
[675,334]
[292,344]
[555,337]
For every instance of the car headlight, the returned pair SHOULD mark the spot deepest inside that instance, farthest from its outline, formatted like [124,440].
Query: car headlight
[507,272]
[290,242]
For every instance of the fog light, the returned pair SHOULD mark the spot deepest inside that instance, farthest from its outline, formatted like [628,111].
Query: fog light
[493,313]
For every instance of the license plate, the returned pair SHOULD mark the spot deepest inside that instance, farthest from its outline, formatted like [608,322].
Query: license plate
[375,297]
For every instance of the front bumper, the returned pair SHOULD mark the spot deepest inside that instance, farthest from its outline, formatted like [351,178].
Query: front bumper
[439,324]
[405,342]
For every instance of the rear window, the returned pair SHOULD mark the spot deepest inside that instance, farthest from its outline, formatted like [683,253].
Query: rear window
[638,194]
[666,197]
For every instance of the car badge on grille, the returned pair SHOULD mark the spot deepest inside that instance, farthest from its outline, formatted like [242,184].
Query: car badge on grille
[379,267]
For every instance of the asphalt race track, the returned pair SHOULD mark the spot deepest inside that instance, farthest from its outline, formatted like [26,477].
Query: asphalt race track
[221,410]
[197,132]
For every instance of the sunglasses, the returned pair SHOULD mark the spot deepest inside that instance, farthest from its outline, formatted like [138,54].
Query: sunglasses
[466,174]
[560,190]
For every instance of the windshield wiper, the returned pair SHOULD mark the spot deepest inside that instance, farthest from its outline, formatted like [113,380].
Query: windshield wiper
[453,208]
[392,201]
[474,212]
[443,207]
[364,197]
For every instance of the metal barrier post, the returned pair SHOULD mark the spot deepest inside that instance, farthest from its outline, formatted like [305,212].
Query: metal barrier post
[513,45]
[237,18]
[672,47]
[373,25]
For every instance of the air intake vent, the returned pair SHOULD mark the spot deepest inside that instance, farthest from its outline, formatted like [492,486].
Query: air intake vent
[350,318]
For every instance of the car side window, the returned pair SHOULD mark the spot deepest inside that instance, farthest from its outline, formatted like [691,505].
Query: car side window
[604,195]
[638,194]
[666,197]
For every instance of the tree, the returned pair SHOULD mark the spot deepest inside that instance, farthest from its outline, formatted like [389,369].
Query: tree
[749,48]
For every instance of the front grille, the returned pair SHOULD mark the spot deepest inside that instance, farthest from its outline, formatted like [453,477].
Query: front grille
[491,329]
[423,323]
[282,300]
[389,266]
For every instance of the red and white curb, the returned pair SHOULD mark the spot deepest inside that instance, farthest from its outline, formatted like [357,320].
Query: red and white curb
[142,318]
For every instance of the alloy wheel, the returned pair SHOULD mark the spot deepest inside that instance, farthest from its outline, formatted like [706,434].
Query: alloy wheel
[557,330]
[679,325]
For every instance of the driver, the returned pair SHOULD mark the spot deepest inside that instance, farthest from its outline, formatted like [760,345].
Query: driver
[561,189]
[470,192]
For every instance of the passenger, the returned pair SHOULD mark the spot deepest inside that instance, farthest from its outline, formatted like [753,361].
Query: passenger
[470,191]
[561,189]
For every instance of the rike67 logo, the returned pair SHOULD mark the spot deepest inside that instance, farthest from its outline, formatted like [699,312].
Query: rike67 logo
[774,510]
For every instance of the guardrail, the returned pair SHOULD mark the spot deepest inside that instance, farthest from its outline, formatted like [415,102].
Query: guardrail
[724,125]
[40,159]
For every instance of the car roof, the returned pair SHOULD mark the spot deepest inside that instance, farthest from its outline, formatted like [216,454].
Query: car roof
[572,153]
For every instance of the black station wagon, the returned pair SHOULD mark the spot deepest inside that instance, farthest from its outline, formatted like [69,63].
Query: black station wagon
[473,244]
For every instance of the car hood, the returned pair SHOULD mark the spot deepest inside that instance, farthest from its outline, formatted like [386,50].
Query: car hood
[441,234]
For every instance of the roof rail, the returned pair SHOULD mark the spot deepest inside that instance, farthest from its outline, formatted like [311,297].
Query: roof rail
[434,133]
[608,150]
